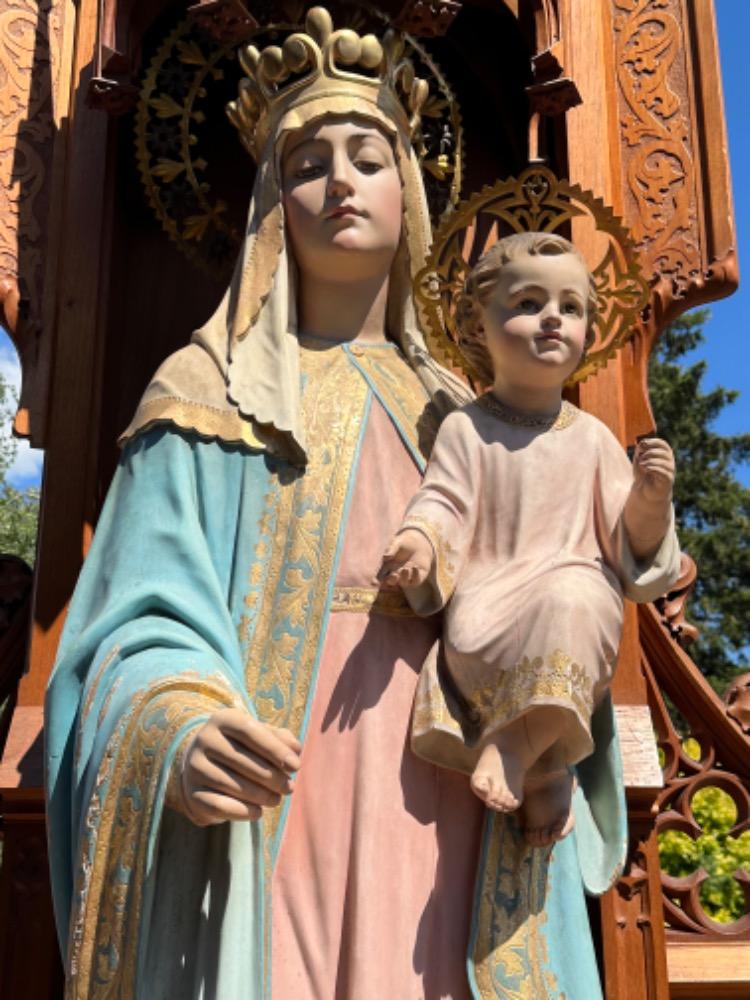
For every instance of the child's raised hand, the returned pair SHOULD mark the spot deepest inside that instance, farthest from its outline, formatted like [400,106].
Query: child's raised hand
[407,561]
[654,470]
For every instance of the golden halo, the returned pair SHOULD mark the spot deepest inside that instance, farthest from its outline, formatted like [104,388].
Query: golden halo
[174,155]
[536,201]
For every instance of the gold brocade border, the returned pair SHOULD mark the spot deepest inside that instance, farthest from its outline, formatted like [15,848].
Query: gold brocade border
[402,393]
[370,600]
[532,681]
[445,568]
[107,901]
[295,557]
[283,651]
[511,952]
[207,421]
[94,686]
[431,711]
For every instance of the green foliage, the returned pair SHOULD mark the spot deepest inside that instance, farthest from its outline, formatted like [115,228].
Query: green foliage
[19,513]
[711,505]
[719,854]
[19,509]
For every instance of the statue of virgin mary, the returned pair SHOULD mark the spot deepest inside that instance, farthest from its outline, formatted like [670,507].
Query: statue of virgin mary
[233,567]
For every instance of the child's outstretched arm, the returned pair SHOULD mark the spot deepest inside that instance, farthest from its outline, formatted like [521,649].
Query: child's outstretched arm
[408,560]
[647,514]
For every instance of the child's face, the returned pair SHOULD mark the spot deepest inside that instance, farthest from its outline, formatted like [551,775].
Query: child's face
[534,322]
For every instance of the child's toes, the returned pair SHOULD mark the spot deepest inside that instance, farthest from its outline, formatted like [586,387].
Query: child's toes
[504,801]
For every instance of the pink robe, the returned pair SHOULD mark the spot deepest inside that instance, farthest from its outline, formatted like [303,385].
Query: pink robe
[531,555]
[373,886]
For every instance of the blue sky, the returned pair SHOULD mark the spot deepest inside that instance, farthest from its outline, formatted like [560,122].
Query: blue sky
[726,333]
[725,350]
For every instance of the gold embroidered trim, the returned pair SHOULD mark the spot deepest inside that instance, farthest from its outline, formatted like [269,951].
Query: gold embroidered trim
[371,600]
[511,951]
[207,421]
[558,422]
[91,697]
[445,568]
[403,394]
[173,796]
[431,711]
[304,526]
[107,900]
[108,700]
[94,686]
[535,680]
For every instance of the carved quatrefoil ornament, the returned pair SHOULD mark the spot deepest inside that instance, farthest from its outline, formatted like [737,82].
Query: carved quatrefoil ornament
[536,201]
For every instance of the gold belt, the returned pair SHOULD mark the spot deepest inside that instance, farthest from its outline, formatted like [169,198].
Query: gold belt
[371,601]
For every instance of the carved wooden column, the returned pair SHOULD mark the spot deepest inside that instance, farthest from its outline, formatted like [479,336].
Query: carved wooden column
[35,54]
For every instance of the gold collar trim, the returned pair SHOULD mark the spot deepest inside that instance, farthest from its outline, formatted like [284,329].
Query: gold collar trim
[556,422]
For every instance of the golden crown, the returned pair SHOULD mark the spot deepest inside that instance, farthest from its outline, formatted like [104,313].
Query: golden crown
[321,63]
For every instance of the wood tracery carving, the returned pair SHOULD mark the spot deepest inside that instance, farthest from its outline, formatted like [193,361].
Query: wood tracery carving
[634,910]
[737,700]
[428,18]
[658,148]
[26,39]
[723,763]
[674,183]
[226,21]
[673,605]
[679,221]
[31,104]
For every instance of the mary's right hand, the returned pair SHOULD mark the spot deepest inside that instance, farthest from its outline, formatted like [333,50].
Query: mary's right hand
[235,766]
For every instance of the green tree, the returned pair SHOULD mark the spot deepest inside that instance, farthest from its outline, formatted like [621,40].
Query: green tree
[19,509]
[711,505]
[720,855]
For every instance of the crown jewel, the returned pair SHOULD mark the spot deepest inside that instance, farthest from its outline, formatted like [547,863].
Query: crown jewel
[323,62]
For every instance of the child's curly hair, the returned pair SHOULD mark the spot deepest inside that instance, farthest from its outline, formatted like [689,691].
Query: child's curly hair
[483,278]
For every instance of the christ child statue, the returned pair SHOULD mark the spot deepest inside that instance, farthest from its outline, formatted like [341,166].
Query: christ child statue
[529,528]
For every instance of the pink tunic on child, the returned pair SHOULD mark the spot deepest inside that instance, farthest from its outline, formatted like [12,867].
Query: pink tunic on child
[532,561]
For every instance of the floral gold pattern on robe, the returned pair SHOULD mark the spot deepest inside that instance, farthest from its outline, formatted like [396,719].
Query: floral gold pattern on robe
[532,562]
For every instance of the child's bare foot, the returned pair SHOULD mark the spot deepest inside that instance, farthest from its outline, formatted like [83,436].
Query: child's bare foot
[498,778]
[548,808]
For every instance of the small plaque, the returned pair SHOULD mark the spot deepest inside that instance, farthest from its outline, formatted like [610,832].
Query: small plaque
[640,759]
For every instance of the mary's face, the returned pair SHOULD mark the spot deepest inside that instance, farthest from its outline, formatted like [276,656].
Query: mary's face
[342,199]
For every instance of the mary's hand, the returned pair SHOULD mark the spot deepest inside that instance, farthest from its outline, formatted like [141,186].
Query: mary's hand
[235,766]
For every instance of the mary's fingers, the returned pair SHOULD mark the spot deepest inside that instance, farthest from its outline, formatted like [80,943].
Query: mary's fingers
[261,740]
[229,756]
[251,765]
[208,776]
[209,808]
[289,738]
